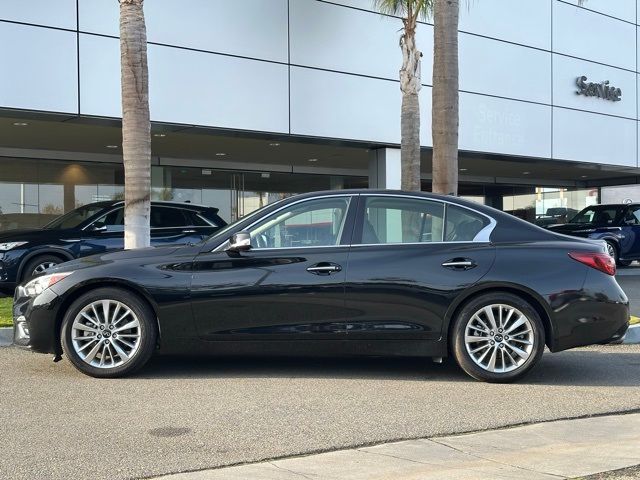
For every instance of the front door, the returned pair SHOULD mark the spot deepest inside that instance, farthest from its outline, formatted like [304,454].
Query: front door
[290,285]
[410,258]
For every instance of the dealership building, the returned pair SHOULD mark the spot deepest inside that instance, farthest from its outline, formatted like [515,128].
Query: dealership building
[253,100]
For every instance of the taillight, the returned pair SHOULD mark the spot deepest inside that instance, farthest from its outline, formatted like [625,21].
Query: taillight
[600,261]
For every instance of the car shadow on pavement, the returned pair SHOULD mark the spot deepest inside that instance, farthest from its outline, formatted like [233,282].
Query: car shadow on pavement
[606,366]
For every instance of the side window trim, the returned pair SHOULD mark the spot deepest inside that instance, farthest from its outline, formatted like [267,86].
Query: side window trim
[483,236]
[346,235]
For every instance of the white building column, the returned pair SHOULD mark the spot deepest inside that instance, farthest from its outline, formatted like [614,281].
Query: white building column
[384,168]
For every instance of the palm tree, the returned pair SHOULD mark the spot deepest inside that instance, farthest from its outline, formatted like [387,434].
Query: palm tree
[136,126]
[410,11]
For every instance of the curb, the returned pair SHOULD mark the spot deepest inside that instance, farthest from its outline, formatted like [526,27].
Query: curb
[6,336]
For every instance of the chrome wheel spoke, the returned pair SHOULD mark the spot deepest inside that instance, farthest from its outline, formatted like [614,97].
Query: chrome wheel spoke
[98,338]
[499,338]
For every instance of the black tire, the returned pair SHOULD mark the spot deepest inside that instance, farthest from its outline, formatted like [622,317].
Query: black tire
[30,267]
[148,332]
[459,348]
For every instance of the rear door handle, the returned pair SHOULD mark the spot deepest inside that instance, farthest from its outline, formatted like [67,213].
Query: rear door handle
[188,231]
[460,264]
[324,268]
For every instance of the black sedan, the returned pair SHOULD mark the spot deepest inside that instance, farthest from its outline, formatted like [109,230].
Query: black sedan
[96,228]
[357,272]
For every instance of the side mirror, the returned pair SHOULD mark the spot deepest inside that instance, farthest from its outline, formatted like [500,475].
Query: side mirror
[99,227]
[240,242]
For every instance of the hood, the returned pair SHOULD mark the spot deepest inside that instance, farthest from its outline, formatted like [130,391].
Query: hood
[31,235]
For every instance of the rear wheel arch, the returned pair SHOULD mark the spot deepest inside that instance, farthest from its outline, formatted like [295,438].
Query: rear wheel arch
[95,285]
[531,298]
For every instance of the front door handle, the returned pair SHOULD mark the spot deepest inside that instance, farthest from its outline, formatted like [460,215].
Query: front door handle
[324,268]
[188,231]
[460,264]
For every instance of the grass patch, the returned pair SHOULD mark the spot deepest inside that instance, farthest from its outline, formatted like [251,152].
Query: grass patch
[6,315]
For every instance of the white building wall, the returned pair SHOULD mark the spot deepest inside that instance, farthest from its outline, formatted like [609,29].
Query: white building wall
[329,69]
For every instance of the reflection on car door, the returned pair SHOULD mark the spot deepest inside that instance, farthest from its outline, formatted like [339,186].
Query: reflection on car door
[290,285]
[409,260]
[105,234]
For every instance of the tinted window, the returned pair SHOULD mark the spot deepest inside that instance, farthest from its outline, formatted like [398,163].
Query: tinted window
[632,216]
[166,217]
[599,215]
[75,217]
[113,221]
[314,223]
[463,225]
[401,220]
[195,220]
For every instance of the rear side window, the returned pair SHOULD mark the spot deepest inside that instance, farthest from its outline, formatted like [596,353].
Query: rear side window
[195,220]
[463,225]
[213,217]
[165,217]
[401,220]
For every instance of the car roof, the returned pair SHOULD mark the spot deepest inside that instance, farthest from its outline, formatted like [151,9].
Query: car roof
[188,206]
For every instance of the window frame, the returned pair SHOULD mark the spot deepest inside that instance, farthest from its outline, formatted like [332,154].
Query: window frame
[483,236]
[346,235]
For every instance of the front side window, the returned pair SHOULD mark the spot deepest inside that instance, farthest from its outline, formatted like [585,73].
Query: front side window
[314,223]
[75,217]
[402,220]
[112,221]
[599,215]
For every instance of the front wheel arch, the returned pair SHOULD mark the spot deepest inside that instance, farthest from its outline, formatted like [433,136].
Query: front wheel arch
[61,254]
[78,292]
[529,297]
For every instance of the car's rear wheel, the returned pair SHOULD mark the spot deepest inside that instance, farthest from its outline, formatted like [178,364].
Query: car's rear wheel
[38,265]
[109,333]
[497,337]
[613,251]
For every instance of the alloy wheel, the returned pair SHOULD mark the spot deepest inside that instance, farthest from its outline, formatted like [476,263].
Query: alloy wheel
[41,267]
[611,250]
[106,334]
[499,338]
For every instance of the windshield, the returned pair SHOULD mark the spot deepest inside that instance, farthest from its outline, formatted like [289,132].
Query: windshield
[598,215]
[74,217]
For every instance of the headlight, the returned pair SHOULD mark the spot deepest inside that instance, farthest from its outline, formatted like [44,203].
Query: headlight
[9,245]
[38,285]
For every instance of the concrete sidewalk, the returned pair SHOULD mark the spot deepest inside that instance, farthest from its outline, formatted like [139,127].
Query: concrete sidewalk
[553,450]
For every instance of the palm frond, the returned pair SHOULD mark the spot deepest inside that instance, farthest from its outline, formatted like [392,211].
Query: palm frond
[400,8]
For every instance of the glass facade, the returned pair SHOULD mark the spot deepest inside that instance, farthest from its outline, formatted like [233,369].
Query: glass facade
[34,192]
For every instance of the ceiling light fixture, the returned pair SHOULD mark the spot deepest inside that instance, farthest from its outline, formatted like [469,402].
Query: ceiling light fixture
[583,176]
[526,173]
[274,144]
[221,154]
[20,124]
[111,146]
[463,169]
[160,135]
[313,159]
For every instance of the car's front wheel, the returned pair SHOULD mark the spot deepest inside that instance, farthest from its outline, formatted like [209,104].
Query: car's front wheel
[497,337]
[109,333]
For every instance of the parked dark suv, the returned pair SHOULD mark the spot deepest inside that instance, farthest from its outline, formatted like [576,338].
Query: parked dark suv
[617,224]
[96,228]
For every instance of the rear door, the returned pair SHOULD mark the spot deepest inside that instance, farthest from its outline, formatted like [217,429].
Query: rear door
[410,258]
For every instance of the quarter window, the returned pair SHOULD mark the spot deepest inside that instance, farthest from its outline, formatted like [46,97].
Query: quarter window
[314,223]
[402,220]
[463,225]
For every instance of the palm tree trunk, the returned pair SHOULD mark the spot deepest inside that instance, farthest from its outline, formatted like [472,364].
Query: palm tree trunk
[136,127]
[445,97]
[410,114]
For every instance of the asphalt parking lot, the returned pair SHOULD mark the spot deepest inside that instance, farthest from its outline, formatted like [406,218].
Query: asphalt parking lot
[185,414]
